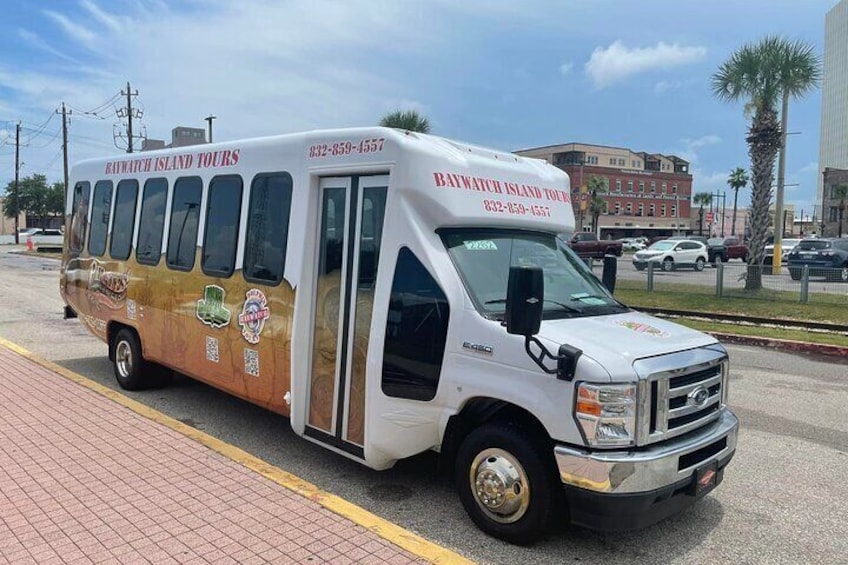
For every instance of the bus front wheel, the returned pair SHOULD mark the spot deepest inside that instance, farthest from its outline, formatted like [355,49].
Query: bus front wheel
[507,482]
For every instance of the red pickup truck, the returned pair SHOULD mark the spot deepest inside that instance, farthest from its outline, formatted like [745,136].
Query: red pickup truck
[586,244]
[727,248]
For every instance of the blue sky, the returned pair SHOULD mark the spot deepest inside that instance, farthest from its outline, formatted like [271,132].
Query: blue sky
[507,74]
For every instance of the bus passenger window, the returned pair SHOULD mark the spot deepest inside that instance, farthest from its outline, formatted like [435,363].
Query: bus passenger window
[79,216]
[101,209]
[416,332]
[148,250]
[126,199]
[267,228]
[222,226]
[185,218]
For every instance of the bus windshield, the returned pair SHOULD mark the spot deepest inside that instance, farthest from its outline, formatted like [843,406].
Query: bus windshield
[483,258]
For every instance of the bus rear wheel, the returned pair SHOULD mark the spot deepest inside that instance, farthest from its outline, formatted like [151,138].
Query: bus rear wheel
[507,482]
[131,370]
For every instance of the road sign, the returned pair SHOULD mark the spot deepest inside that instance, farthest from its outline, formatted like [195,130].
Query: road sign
[710,217]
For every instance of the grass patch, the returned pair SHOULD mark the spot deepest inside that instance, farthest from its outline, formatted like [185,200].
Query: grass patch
[764,303]
[761,331]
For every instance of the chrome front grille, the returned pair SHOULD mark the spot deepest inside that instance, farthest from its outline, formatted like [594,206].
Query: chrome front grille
[674,401]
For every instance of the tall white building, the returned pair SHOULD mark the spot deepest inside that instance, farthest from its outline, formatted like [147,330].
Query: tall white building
[833,146]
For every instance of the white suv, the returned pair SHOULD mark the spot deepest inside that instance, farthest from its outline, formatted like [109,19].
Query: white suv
[673,255]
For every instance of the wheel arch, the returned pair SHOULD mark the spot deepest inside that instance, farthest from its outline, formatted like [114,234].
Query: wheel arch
[112,329]
[479,411]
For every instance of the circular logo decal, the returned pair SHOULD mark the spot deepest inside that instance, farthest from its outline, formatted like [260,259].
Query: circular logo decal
[254,312]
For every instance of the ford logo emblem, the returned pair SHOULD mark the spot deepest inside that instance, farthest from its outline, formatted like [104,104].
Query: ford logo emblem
[698,397]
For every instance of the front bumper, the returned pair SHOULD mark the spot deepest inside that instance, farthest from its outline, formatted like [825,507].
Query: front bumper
[632,489]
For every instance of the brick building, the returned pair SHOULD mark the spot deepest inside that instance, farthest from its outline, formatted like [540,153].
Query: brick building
[649,193]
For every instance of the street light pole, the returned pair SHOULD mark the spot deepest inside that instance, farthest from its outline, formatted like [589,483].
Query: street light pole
[209,119]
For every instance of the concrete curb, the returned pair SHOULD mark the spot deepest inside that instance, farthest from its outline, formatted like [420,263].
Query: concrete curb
[784,344]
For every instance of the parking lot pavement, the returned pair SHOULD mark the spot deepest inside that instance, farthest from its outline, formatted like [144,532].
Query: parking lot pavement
[84,478]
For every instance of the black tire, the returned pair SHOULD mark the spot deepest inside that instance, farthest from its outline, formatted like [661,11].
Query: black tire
[640,268]
[699,264]
[795,274]
[718,259]
[131,370]
[843,273]
[668,264]
[496,446]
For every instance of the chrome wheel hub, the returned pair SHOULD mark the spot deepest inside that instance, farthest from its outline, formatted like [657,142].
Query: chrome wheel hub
[123,358]
[500,485]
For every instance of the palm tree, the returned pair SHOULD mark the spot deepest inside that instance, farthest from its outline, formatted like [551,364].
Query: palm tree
[702,199]
[597,187]
[738,179]
[761,73]
[409,120]
[840,191]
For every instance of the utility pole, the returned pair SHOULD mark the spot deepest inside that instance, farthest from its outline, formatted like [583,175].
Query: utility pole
[209,119]
[129,93]
[17,172]
[65,113]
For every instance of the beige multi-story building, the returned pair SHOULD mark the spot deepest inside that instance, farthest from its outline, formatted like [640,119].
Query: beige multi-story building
[833,144]
[181,136]
[647,193]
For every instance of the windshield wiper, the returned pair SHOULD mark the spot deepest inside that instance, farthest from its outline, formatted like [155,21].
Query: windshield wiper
[583,296]
[565,307]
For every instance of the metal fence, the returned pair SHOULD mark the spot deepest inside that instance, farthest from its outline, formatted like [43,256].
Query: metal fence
[804,285]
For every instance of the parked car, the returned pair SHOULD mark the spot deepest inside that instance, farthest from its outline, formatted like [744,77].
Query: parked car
[826,257]
[712,250]
[45,238]
[632,244]
[673,254]
[725,248]
[786,245]
[586,244]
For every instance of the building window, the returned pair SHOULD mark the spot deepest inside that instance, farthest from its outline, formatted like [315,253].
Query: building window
[674,189]
[185,218]
[653,186]
[630,186]
[126,199]
[222,226]
[652,210]
[673,211]
[618,185]
[641,211]
[664,188]
[662,210]
[101,209]
[267,228]
[611,161]
[416,332]
[834,214]
[621,162]
[629,208]
[617,208]
[152,222]
[641,186]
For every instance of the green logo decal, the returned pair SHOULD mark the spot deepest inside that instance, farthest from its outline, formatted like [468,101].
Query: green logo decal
[211,310]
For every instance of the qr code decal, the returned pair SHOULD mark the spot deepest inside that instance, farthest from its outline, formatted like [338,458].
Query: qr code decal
[251,362]
[131,309]
[211,349]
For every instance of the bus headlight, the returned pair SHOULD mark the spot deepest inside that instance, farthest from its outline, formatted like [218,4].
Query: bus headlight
[607,414]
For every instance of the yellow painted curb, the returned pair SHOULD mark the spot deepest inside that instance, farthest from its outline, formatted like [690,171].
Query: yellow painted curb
[397,535]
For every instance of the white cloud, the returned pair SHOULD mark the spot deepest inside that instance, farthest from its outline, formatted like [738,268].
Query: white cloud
[75,31]
[565,68]
[609,65]
[701,141]
[36,41]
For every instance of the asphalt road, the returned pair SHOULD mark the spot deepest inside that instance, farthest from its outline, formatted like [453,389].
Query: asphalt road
[782,500]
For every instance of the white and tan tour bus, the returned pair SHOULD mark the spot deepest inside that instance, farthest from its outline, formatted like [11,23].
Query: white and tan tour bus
[391,293]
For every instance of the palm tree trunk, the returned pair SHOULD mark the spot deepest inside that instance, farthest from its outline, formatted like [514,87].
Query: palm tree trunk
[763,144]
[735,196]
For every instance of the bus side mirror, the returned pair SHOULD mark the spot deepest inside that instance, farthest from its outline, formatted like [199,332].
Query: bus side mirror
[525,291]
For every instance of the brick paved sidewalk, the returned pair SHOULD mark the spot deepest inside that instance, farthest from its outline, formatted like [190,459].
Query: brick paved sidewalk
[84,479]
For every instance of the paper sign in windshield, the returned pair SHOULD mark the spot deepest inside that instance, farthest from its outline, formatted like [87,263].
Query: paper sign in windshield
[481,245]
